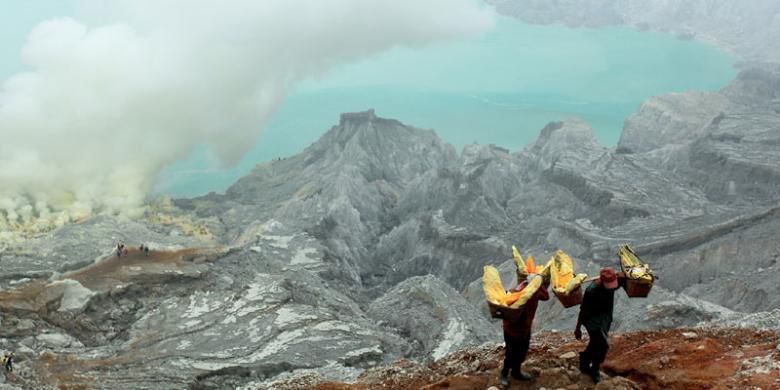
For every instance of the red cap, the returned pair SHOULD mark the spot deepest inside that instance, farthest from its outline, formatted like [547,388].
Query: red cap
[608,278]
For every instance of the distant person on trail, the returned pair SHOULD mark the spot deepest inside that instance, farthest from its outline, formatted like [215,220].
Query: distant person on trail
[145,249]
[8,361]
[596,314]
[119,250]
[517,335]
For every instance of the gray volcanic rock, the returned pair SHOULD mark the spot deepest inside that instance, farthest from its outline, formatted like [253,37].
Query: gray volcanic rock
[747,28]
[756,88]
[219,319]
[764,320]
[745,148]
[434,314]
[563,191]
[595,186]
[341,189]
[670,119]
[728,271]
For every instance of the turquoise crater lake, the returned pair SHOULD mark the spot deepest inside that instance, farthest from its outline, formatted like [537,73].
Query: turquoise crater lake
[500,88]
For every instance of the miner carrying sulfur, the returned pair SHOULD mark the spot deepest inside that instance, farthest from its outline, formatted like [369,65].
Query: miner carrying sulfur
[517,334]
[8,361]
[596,315]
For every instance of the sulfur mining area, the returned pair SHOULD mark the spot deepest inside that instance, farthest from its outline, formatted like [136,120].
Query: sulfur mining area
[358,262]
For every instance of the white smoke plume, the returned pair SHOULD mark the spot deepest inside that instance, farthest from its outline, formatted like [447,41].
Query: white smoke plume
[103,108]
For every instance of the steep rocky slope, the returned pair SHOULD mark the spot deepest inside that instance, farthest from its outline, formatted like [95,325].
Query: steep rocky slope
[318,264]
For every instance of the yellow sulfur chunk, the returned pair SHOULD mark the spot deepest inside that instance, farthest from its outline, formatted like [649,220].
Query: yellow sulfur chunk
[628,258]
[521,268]
[511,297]
[633,267]
[526,293]
[561,271]
[492,286]
[530,267]
[642,273]
[545,271]
[495,293]
[574,283]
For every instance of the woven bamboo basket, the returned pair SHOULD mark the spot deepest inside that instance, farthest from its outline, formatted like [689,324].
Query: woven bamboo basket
[574,298]
[637,288]
[505,313]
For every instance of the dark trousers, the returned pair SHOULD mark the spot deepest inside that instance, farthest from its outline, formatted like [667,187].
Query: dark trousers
[516,351]
[596,351]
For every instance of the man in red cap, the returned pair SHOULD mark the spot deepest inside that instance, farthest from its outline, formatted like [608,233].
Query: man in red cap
[596,315]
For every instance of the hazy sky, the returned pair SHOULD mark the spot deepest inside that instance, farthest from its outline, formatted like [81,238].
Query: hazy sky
[17,20]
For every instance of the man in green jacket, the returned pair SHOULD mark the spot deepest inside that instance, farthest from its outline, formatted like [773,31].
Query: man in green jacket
[596,314]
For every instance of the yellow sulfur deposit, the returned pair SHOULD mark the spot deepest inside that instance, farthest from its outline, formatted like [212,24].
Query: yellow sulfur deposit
[491,284]
[495,293]
[574,283]
[561,271]
[633,267]
[642,273]
[628,258]
[562,276]
[530,266]
[521,268]
[545,271]
[527,292]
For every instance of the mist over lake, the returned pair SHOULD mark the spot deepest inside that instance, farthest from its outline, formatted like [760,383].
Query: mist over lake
[500,88]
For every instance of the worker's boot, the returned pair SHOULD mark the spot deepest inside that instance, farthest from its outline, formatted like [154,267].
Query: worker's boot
[595,373]
[584,363]
[520,375]
[504,380]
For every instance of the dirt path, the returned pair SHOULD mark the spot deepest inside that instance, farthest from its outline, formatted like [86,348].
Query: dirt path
[119,270]
[678,359]
[109,273]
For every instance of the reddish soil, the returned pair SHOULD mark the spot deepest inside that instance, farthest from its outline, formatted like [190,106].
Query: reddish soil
[105,274]
[679,359]
[722,359]
[114,270]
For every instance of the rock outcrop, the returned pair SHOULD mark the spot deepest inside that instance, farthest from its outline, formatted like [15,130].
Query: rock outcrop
[435,316]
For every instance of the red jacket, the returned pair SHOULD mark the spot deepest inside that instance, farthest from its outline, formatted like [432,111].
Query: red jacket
[522,327]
